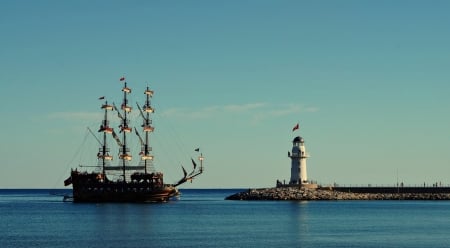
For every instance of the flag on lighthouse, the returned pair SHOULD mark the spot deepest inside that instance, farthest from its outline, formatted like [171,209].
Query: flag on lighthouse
[295,127]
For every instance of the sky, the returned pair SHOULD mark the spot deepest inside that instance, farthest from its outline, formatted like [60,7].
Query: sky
[368,82]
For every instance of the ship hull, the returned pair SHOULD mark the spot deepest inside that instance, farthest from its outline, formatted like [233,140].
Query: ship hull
[124,192]
[91,187]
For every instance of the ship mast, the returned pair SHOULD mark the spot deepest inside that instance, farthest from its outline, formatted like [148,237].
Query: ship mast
[146,157]
[124,128]
[103,153]
[147,127]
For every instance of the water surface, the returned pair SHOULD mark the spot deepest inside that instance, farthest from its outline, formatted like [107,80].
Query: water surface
[36,218]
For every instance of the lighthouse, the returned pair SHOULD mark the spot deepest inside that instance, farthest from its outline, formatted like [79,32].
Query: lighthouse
[298,162]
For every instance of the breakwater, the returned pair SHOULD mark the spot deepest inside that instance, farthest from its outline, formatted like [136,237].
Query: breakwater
[342,193]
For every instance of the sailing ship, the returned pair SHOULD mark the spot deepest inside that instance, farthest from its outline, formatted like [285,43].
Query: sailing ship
[135,183]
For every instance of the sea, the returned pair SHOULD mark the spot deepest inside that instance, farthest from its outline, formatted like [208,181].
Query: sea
[202,218]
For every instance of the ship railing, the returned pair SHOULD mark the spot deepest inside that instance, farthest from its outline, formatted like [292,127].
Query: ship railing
[124,151]
[126,167]
[101,150]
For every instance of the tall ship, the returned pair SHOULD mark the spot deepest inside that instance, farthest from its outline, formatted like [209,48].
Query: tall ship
[126,182]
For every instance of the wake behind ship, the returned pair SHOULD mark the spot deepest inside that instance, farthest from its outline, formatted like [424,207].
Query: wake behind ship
[134,183]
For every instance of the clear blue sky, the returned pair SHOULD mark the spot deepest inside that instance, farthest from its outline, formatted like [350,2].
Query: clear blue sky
[368,81]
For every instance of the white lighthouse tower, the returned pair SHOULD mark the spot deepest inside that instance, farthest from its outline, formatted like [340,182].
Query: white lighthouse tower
[298,162]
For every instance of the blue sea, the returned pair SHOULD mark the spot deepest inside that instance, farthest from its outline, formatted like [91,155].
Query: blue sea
[202,218]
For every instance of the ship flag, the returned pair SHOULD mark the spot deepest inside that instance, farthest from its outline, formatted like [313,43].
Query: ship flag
[197,150]
[122,79]
[101,98]
[295,127]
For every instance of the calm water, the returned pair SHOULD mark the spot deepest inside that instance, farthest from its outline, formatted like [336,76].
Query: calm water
[201,218]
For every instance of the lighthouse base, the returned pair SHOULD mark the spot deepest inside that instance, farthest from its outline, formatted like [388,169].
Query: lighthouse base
[296,185]
[309,186]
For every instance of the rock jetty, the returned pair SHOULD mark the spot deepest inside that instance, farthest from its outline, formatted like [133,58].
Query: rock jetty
[327,194]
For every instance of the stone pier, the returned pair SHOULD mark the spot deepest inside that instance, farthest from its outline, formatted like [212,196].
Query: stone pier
[329,193]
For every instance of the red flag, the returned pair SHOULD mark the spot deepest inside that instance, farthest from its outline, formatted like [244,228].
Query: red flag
[295,127]
[122,78]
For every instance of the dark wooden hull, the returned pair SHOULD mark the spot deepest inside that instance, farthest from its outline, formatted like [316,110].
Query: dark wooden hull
[123,194]
[88,188]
